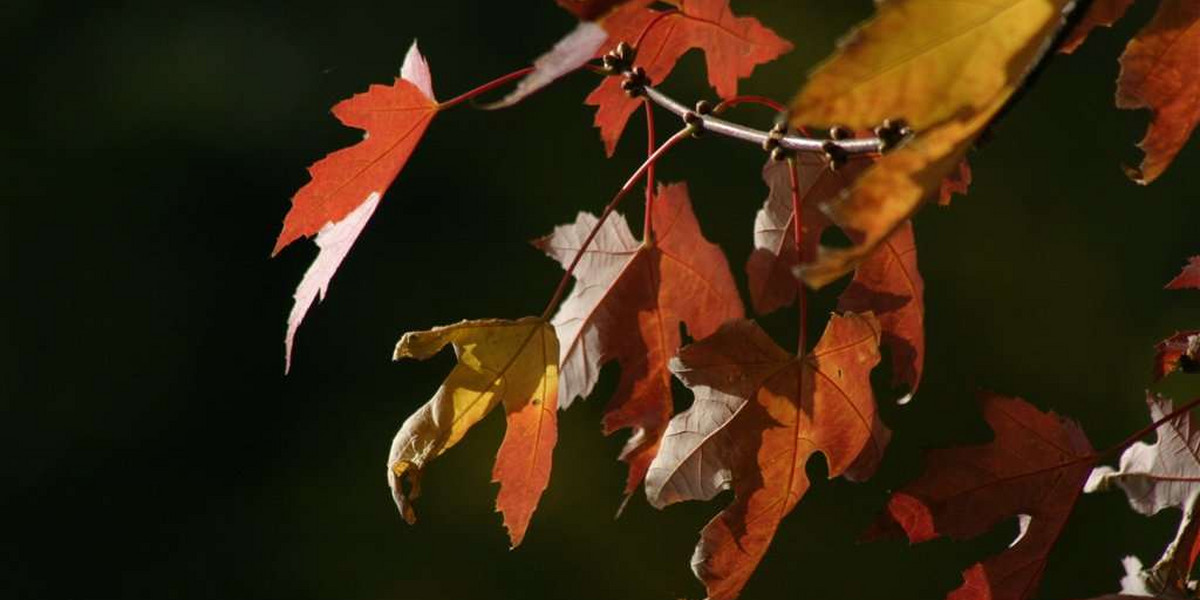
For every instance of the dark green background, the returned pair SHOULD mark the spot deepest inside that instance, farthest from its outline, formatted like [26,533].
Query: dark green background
[154,449]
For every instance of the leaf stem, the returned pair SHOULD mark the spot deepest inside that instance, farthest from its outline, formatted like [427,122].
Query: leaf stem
[1139,434]
[485,88]
[608,210]
[798,227]
[648,225]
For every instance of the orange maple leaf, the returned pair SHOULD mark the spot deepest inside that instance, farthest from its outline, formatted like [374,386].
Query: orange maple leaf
[759,414]
[347,185]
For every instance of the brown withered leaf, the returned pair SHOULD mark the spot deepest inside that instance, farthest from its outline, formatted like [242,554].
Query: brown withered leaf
[1033,470]
[759,414]
[627,304]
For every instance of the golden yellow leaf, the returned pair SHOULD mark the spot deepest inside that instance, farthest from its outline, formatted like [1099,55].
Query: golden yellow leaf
[509,362]
[928,61]
[944,66]
[888,193]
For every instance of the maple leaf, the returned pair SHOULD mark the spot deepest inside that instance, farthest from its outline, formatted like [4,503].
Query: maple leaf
[733,46]
[628,301]
[1034,469]
[509,362]
[1157,476]
[887,283]
[1189,277]
[347,185]
[1160,71]
[759,414]
[946,68]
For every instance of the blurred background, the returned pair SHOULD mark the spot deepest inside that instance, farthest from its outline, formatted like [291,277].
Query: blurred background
[154,448]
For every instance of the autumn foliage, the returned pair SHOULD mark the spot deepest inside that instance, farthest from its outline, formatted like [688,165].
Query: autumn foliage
[900,104]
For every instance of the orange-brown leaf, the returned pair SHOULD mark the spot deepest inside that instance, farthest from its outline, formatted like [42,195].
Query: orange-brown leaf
[889,285]
[1160,70]
[629,299]
[733,46]
[1032,471]
[758,416]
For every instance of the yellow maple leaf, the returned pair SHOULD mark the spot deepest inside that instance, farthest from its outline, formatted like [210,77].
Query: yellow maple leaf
[510,362]
[946,67]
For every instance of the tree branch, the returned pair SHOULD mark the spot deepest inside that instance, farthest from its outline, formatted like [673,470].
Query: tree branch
[872,145]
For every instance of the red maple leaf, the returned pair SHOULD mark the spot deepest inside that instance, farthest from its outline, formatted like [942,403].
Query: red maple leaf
[733,46]
[347,185]
[1033,470]
[629,299]
[1189,277]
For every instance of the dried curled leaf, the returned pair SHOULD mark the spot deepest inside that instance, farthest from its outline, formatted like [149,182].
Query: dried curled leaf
[1033,470]
[629,300]
[514,363]
[758,416]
